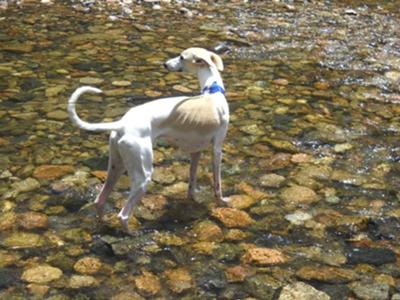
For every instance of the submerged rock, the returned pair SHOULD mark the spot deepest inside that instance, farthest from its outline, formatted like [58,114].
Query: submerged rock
[88,265]
[24,240]
[371,256]
[263,256]
[41,274]
[232,217]
[370,291]
[148,284]
[82,281]
[30,220]
[297,195]
[303,291]
[326,274]
[178,280]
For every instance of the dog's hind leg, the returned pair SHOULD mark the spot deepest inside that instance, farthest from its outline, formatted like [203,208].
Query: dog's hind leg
[115,170]
[137,154]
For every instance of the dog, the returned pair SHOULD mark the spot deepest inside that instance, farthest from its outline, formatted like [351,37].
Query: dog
[190,123]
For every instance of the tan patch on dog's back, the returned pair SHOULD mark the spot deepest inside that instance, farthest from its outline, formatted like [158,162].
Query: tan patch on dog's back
[196,113]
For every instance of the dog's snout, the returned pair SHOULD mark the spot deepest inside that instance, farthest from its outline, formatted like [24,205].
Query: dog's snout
[165,65]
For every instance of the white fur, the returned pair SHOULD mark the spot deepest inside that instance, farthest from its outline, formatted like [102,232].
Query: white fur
[133,136]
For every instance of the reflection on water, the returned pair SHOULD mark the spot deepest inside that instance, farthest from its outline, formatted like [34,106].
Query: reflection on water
[311,160]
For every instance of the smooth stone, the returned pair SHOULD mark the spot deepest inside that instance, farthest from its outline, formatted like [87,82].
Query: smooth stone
[272,180]
[240,201]
[91,80]
[51,172]
[232,217]
[297,195]
[121,83]
[88,265]
[82,281]
[370,291]
[148,284]
[58,115]
[298,217]
[24,240]
[263,256]
[41,274]
[303,291]
[31,220]
[178,280]
[326,274]
[207,231]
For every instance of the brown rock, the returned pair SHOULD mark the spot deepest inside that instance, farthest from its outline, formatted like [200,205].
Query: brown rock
[82,281]
[127,296]
[88,265]
[30,220]
[326,274]
[251,191]
[50,172]
[240,201]
[41,274]
[236,235]
[207,231]
[7,220]
[178,280]
[300,158]
[204,247]
[148,284]
[232,217]
[238,273]
[298,195]
[272,180]
[321,85]
[102,175]
[276,162]
[280,81]
[263,256]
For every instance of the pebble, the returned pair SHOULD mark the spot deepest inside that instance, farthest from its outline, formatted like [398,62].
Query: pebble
[58,115]
[7,220]
[91,80]
[240,201]
[31,220]
[51,172]
[263,256]
[303,291]
[55,90]
[88,265]
[26,185]
[326,274]
[178,280]
[232,217]
[24,240]
[298,217]
[148,284]
[370,291]
[41,274]
[298,195]
[121,83]
[272,180]
[207,231]
[238,273]
[82,281]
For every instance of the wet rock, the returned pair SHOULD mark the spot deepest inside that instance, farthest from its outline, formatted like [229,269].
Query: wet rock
[41,274]
[280,81]
[393,76]
[371,256]
[8,276]
[347,177]
[163,175]
[240,201]
[91,80]
[262,286]
[88,265]
[385,228]
[24,240]
[8,258]
[227,252]
[252,129]
[251,191]
[232,217]
[301,290]
[17,47]
[207,231]
[263,256]
[370,291]
[31,220]
[127,296]
[82,281]
[298,195]
[148,284]
[209,276]
[55,90]
[276,162]
[38,290]
[152,207]
[7,220]
[58,115]
[298,217]
[178,280]
[326,274]
[300,158]
[121,83]
[272,180]
[177,190]
[27,185]
[238,273]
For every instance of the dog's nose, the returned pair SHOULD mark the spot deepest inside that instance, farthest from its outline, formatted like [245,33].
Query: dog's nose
[165,66]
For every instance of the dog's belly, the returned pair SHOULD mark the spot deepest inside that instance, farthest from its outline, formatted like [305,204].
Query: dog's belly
[188,143]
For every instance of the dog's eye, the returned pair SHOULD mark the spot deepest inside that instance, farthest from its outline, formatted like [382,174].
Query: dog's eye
[180,57]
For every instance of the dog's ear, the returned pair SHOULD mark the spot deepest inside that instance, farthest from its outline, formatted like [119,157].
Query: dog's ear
[210,58]
[217,60]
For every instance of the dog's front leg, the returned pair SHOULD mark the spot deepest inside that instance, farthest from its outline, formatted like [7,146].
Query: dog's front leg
[194,162]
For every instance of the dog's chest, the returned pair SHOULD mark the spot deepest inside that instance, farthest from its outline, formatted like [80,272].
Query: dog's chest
[197,114]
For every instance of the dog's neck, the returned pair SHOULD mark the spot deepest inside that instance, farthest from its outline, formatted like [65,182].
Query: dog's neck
[208,76]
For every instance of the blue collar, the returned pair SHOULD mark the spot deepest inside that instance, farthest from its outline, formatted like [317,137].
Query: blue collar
[213,88]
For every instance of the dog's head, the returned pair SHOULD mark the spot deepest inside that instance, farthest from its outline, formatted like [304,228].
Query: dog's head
[192,59]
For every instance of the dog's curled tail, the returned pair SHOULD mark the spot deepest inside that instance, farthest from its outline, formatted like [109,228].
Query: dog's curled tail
[78,121]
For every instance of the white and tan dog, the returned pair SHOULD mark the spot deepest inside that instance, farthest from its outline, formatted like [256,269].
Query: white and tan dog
[191,123]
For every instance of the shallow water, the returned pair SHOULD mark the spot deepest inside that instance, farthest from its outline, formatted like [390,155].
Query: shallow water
[311,160]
